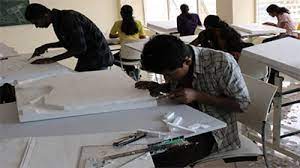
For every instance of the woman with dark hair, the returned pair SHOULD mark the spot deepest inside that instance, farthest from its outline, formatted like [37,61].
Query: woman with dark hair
[283,17]
[187,22]
[220,36]
[284,21]
[128,29]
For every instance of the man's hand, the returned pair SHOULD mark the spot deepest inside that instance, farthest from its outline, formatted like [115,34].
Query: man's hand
[153,87]
[39,51]
[186,95]
[269,24]
[43,61]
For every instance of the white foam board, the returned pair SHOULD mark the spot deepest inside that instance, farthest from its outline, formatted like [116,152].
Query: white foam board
[79,94]
[254,28]
[18,69]
[162,27]
[282,55]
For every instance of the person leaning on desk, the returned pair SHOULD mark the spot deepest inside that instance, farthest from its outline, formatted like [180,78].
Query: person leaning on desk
[284,21]
[219,35]
[208,80]
[78,34]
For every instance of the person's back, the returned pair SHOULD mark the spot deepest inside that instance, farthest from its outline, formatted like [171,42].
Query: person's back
[187,22]
[286,22]
[128,29]
[66,21]
[124,38]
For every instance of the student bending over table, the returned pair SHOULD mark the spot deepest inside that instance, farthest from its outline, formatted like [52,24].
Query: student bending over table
[220,36]
[76,33]
[284,21]
[205,79]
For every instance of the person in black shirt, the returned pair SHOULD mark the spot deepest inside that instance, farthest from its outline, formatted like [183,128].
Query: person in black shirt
[219,35]
[76,33]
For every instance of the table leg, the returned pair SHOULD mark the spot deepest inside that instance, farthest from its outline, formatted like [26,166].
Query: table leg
[277,110]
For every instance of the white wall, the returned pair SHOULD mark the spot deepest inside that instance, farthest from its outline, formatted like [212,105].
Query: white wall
[236,11]
[25,38]
[244,11]
[225,10]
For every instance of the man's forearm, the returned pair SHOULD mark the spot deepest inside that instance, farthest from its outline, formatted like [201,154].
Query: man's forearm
[63,56]
[54,45]
[218,101]
[165,87]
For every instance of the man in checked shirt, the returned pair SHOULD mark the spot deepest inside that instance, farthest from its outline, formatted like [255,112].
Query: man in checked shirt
[206,79]
[76,33]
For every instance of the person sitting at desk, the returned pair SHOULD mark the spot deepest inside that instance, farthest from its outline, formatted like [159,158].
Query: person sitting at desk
[284,21]
[76,33]
[127,30]
[187,22]
[220,36]
[208,80]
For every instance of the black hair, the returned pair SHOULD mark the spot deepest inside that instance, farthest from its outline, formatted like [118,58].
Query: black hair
[211,21]
[129,26]
[185,11]
[164,53]
[279,10]
[36,11]
[220,29]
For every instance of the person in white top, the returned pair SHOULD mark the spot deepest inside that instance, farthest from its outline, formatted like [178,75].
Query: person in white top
[283,17]
[284,21]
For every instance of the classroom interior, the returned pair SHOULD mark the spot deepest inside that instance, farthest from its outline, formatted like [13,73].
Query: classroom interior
[33,141]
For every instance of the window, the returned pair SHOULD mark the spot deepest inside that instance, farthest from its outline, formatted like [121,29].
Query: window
[163,10]
[156,10]
[263,16]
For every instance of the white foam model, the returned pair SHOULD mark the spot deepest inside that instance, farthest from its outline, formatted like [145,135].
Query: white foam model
[163,27]
[18,69]
[79,94]
[255,28]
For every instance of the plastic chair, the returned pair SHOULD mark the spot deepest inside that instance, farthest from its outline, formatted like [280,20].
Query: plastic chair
[253,68]
[130,57]
[255,119]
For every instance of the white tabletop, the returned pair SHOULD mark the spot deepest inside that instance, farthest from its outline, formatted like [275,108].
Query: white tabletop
[258,29]
[18,68]
[163,27]
[147,118]
[139,45]
[282,55]
[57,151]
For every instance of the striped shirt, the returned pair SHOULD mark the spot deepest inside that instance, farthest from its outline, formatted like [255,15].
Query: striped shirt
[218,74]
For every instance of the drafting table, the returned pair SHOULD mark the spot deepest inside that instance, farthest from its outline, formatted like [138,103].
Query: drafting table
[6,50]
[146,118]
[100,127]
[18,69]
[59,151]
[139,45]
[259,29]
[163,27]
[283,56]
[255,30]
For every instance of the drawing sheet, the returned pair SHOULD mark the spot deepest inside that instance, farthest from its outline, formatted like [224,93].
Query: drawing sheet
[18,69]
